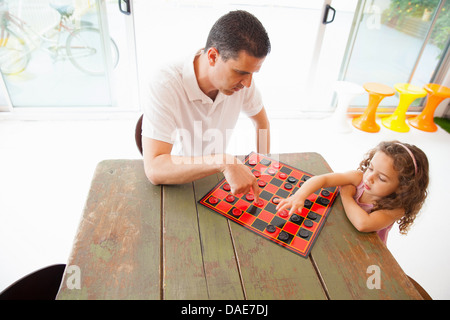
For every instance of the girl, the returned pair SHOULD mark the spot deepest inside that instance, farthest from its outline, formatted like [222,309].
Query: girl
[390,185]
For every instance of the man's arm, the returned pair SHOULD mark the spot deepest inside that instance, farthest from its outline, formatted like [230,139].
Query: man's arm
[163,168]
[262,126]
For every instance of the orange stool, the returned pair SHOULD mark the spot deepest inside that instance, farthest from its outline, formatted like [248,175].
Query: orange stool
[424,121]
[377,92]
[408,93]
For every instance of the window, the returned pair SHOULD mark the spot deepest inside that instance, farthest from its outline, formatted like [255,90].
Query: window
[397,41]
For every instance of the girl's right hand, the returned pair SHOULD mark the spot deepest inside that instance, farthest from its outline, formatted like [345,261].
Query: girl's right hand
[292,203]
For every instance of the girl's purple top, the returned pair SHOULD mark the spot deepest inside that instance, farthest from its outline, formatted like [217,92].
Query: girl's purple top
[383,233]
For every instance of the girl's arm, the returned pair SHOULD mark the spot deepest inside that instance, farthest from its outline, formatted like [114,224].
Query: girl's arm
[296,201]
[363,221]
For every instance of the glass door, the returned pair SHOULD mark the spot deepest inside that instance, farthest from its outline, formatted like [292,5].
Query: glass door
[170,29]
[60,53]
[5,103]
[397,41]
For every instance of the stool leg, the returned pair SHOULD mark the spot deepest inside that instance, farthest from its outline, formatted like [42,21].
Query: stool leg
[424,121]
[366,122]
[397,121]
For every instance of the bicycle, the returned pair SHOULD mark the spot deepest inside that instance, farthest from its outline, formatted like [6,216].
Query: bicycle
[83,46]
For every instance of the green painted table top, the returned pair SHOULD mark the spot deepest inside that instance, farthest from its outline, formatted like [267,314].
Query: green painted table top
[140,241]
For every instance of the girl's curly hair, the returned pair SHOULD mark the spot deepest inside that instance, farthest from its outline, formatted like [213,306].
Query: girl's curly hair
[412,190]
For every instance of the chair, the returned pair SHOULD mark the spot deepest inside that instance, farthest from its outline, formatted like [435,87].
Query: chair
[421,290]
[346,92]
[425,120]
[377,92]
[42,284]
[408,93]
[138,134]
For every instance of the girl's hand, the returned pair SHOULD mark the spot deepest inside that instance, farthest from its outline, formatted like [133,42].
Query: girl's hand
[293,203]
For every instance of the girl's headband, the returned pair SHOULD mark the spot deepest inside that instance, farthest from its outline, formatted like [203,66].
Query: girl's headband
[412,156]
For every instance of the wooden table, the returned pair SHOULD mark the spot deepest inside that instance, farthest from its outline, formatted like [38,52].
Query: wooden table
[140,241]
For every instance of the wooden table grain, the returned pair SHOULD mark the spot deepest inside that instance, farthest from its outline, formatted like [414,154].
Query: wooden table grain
[140,241]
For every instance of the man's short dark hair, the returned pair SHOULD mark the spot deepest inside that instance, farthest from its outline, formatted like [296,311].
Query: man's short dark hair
[236,31]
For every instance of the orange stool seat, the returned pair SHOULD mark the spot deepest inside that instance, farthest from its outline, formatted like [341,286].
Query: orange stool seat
[408,93]
[425,120]
[377,92]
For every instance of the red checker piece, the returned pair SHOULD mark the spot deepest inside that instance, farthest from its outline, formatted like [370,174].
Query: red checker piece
[282,175]
[259,203]
[226,187]
[257,174]
[249,197]
[229,198]
[261,183]
[236,212]
[276,165]
[284,213]
[213,200]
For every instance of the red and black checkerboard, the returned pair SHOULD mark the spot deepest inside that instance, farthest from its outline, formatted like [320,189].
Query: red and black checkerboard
[277,180]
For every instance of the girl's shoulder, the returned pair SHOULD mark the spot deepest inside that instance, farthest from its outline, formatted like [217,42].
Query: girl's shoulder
[355,177]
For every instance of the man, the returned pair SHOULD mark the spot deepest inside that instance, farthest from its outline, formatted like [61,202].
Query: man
[192,107]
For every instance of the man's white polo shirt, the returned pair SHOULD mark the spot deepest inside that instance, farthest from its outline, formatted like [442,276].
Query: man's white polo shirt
[176,111]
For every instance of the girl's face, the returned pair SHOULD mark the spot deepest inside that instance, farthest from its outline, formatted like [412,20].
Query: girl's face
[380,178]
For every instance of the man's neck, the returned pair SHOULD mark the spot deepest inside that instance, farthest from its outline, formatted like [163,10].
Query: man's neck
[201,73]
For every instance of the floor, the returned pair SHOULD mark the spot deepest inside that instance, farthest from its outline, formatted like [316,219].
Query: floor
[46,168]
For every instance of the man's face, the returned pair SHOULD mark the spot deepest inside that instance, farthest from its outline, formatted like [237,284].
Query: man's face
[234,74]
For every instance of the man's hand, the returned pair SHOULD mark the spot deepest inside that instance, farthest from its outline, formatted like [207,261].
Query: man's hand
[241,179]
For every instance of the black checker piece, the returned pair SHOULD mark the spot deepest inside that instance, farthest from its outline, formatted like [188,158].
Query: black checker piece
[308,204]
[295,218]
[285,237]
[305,234]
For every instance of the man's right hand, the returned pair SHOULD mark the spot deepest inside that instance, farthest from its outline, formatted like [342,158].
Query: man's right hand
[241,179]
